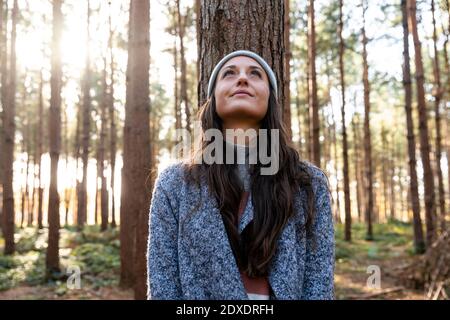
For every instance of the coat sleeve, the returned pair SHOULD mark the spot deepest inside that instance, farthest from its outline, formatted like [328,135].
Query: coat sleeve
[320,252]
[162,255]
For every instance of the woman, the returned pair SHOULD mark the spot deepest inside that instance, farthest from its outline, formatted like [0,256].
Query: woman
[221,230]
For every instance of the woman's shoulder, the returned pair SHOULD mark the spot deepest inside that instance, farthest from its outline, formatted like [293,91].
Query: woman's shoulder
[171,177]
[319,179]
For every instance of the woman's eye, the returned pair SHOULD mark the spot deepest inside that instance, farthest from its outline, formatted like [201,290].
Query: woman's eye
[227,72]
[257,73]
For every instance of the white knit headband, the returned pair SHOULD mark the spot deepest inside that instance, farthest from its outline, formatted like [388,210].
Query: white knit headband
[261,61]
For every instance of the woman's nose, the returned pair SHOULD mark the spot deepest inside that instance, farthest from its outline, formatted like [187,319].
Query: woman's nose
[242,78]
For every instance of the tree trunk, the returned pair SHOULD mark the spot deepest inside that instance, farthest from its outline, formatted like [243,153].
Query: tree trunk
[68,190]
[136,194]
[183,83]
[3,91]
[2,102]
[175,88]
[82,201]
[113,133]
[367,138]
[8,144]
[384,169]
[357,162]
[430,209]
[392,173]
[287,72]
[313,100]
[299,118]
[437,93]
[40,137]
[348,215]
[260,26]
[103,128]
[52,257]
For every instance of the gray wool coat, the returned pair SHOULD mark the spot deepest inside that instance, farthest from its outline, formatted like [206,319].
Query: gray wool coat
[190,258]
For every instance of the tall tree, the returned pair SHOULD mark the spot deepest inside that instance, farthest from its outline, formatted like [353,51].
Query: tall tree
[52,257]
[348,214]
[437,93]
[367,137]
[430,208]
[312,97]
[136,153]
[262,27]
[112,125]
[40,137]
[181,24]
[9,128]
[82,200]
[2,98]
[287,69]
[101,151]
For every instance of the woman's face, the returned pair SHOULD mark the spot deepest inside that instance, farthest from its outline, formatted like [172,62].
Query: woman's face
[241,93]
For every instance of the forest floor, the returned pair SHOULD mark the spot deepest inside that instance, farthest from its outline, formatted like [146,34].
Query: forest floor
[96,256]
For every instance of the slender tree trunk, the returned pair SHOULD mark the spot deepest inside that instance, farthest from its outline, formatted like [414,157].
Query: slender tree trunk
[430,209]
[175,88]
[40,138]
[113,133]
[52,257]
[357,162]
[437,93]
[287,72]
[336,169]
[391,165]
[313,100]
[2,103]
[384,169]
[77,150]
[299,118]
[197,36]
[183,84]
[8,144]
[23,188]
[348,215]
[136,194]
[25,202]
[68,190]
[103,128]
[367,138]
[82,201]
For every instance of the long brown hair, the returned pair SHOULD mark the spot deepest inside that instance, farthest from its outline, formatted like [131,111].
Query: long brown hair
[272,195]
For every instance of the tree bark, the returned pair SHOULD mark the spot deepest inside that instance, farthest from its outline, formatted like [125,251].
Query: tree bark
[183,76]
[113,133]
[52,257]
[437,93]
[287,70]
[367,137]
[40,138]
[3,70]
[136,154]
[250,25]
[313,100]
[348,214]
[82,201]
[430,208]
[8,143]
[103,128]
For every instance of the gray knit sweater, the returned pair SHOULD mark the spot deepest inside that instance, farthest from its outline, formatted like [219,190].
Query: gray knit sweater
[189,255]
